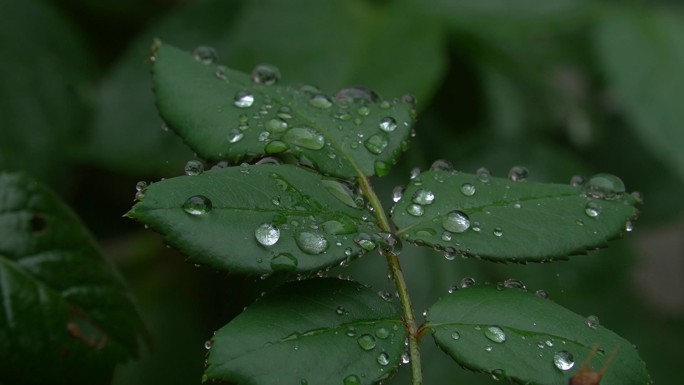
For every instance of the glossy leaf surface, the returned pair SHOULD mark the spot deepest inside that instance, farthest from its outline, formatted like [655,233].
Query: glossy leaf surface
[63,306]
[528,339]
[225,115]
[502,220]
[319,331]
[258,219]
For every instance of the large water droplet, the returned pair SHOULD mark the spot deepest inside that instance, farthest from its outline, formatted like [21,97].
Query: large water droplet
[415,209]
[235,136]
[563,360]
[276,147]
[205,54]
[265,74]
[197,205]
[284,262]
[483,174]
[267,234]
[304,137]
[376,144]
[311,242]
[388,124]
[604,186]
[513,283]
[495,334]
[592,209]
[366,342]
[423,197]
[468,189]
[320,101]
[383,359]
[193,168]
[356,94]
[456,221]
[518,174]
[243,99]
[352,379]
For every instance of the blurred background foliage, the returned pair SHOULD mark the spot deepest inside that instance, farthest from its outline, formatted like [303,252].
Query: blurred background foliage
[562,87]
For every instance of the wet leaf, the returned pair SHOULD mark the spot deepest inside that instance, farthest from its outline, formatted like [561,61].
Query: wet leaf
[484,329]
[258,219]
[224,115]
[319,331]
[63,305]
[501,220]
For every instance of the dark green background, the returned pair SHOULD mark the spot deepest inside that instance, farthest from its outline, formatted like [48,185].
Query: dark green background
[564,87]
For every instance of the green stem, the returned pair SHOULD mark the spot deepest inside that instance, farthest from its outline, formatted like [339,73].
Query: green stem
[399,281]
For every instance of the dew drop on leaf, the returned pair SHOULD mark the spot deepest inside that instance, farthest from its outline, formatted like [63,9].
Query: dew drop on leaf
[467,189]
[305,137]
[366,342]
[397,193]
[455,335]
[423,197]
[311,242]
[141,185]
[498,374]
[363,111]
[276,147]
[388,124]
[205,54]
[265,74]
[193,168]
[456,221]
[563,360]
[498,232]
[513,283]
[518,174]
[415,210]
[483,174]
[267,234]
[197,205]
[383,359]
[356,94]
[235,136]
[577,180]
[542,293]
[243,99]
[284,262]
[352,379]
[441,165]
[467,282]
[592,209]
[629,226]
[221,72]
[320,101]
[376,144]
[382,333]
[592,321]
[276,125]
[495,334]
[604,186]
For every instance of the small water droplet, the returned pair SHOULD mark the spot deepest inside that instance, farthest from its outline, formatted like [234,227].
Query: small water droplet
[320,101]
[604,186]
[382,333]
[221,72]
[235,136]
[592,209]
[377,143]
[405,358]
[276,125]
[381,168]
[415,209]
[441,165]
[284,262]
[512,283]
[366,342]
[265,74]
[397,193]
[498,232]
[363,110]
[542,294]
[207,344]
[340,310]
[592,321]
[495,334]
[467,189]
[629,226]
[312,242]
[197,205]
[467,282]
[388,124]
[488,348]
[483,174]
[423,197]
[456,221]
[409,99]
[446,236]
[383,359]
[452,289]
[243,99]
[304,137]
[351,331]
[205,54]
[476,226]
[267,234]
[141,185]
[577,180]
[455,335]
[356,94]
[364,240]
[193,168]
[518,174]
[352,379]
[276,147]
[563,360]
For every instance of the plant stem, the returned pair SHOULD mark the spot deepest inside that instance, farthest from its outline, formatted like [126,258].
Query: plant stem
[398,276]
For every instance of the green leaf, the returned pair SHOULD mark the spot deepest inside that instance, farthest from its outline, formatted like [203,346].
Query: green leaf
[319,331]
[501,220]
[224,115]
[43,72]
[63,305]
[258,219]
[484,329]
[642,54]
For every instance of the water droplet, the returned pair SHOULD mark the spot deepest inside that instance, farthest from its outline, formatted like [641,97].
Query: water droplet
[548,343]
[382,333]
[488,348]
[423,197]
[563,360]
[366,342]
[592,321]
[267,234]
[409,99]
[377,143]
[205,54]
[235,136]
[446,236]
[476,226]
[415,173]
[363,111]
[629,226]
[467,282]
[364,240]
[577,180]
[340,310]
[498,374]
[456,221]
[592,209]
[441,165]
[265,74]
[455,335]
[276,147]
[512,283]
[276,125]
[604,186]
[405,358]
[193,168]
[467,189]
[518,174]
[381,168]
[207,344]
[498,232]
[397,193]
[141,185]
[352,379]
[388,124]
[320,101]
[542,294]
[304,137]
[197,205]
[483,174]
[243,99]
[351,331]
[311,242]
[415,210]
[383,359]
[221,72]
[356,94]
[284,262]
[495,334]
[452,289]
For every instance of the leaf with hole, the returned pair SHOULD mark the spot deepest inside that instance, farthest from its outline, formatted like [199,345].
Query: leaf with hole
[228,115]
[483,329]
[63,305]
[318,331]
[259,219]
[502,220]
